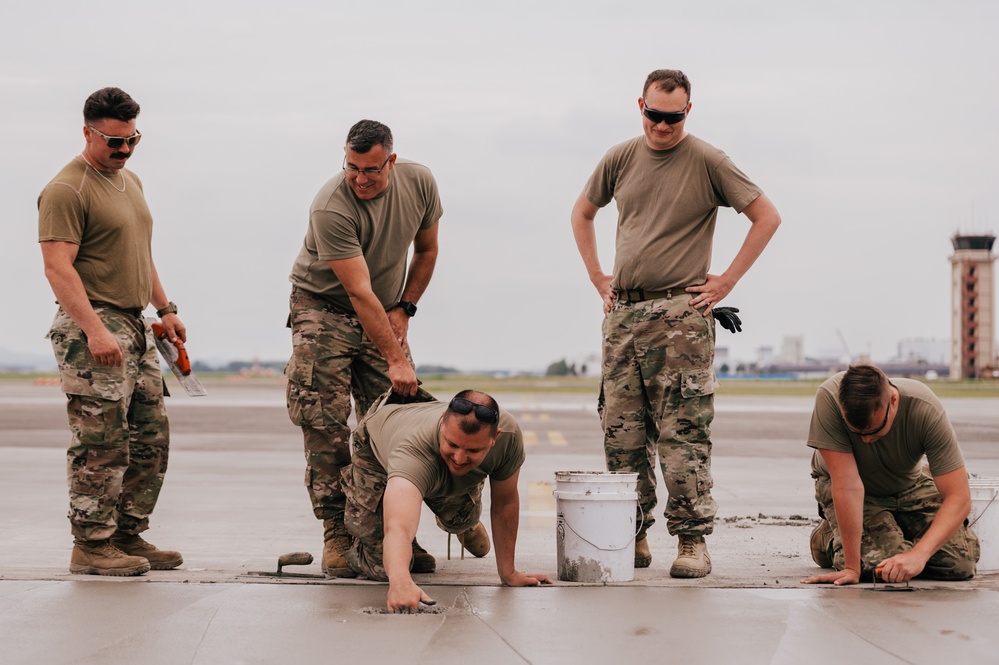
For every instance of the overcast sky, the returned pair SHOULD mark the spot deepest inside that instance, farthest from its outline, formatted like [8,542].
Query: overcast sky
[873,127]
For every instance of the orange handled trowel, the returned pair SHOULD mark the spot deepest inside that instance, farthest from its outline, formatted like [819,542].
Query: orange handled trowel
[175,355]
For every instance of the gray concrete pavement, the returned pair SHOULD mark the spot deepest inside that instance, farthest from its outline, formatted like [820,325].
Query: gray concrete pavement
[234,501]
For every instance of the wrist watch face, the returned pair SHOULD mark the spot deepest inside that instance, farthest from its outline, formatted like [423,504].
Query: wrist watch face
[408,307]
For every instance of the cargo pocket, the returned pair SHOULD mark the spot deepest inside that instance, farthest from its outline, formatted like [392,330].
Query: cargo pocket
[304,407]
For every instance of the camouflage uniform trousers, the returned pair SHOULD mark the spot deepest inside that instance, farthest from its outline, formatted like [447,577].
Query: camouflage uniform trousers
[893,524]
[120,433]
[656,397]
[332,360]
[364,482]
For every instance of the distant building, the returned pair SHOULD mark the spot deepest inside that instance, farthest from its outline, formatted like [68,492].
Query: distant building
[973,329]
[792,350]
[929,351]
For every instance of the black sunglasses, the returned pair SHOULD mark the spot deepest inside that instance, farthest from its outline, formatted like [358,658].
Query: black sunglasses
[670,118]
[463,406]
[115,142]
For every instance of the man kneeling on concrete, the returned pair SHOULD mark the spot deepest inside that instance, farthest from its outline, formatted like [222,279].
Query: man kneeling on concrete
[408,454]
[883,509]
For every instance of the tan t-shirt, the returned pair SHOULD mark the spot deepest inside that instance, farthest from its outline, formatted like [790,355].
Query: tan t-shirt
[667,203]
[892,463]
[113,229]
[405,439]
[342,226]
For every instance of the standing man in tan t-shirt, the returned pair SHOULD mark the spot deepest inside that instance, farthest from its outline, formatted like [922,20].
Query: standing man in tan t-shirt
[95,232]
[351,302]
[658,377]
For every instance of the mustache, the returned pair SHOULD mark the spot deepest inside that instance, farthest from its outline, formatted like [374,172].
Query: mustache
[120,155]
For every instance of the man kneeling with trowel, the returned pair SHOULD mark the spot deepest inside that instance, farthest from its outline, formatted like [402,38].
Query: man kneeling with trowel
[885,514]
[440,454]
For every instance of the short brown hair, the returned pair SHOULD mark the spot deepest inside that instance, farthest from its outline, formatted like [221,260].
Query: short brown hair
[112,103]
[862,392]
[667,80]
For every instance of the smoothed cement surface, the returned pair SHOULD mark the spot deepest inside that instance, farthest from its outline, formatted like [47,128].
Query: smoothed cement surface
[233,501]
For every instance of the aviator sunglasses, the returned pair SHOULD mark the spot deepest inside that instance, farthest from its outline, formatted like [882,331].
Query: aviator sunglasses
[463,406]
[115,142]
[670,118]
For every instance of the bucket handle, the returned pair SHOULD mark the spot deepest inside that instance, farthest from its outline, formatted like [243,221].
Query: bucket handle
[979,516]
[607,549]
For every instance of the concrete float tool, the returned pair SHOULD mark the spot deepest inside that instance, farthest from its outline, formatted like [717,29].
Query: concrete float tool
[290,559]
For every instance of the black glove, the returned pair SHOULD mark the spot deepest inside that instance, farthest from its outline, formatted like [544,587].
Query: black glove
[728,318]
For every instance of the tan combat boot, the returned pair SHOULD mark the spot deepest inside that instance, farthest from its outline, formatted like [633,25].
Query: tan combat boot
[100,557]
[336,541]
[423,561]
[643,555]
[475,540]
[692,559]
[821,543]
[134,545]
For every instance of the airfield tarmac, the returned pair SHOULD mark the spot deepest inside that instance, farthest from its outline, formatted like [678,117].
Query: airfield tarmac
[234,500]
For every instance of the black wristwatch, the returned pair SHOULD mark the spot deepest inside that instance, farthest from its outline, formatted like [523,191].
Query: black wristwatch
[408,307]
[171,308]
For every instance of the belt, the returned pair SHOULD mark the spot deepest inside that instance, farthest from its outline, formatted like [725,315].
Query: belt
[638,295]
[135,311]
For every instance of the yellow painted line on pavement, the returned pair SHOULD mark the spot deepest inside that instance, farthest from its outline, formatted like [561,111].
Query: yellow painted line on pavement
[530,437]
[556,438]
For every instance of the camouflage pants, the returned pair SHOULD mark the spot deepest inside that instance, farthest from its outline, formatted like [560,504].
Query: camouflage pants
[893,524]
[656,397]
[332,360]
[364,482]
[120,433]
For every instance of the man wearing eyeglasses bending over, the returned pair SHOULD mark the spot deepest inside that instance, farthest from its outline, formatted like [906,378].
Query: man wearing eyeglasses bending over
[883,509]
[351,301]
[440,454]
[95,232]
[658,381]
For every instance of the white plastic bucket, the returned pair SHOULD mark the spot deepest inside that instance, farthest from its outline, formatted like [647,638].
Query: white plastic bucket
[984,520]
[595,527]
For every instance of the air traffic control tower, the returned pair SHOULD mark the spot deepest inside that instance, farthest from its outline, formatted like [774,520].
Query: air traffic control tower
[973,330]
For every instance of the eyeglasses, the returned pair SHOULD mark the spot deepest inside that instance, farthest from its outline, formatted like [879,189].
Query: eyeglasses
[876,429]
[670,117]
[115,142]
[463,406]
[369,172]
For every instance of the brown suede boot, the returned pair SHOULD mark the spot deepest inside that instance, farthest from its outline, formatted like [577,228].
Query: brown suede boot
[134,545]
[692,559]
[423,561]
[821,543]
[643,555]
[475,540]
[336,541]
[100,557]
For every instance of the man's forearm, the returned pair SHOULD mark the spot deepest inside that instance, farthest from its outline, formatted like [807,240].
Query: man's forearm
[849,506]
[421,269]
[953,511]
[72,297]
[376,326]
[505,520]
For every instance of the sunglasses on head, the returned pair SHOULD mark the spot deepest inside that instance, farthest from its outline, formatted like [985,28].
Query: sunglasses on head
[115,142]
[485,414]
[670,118]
